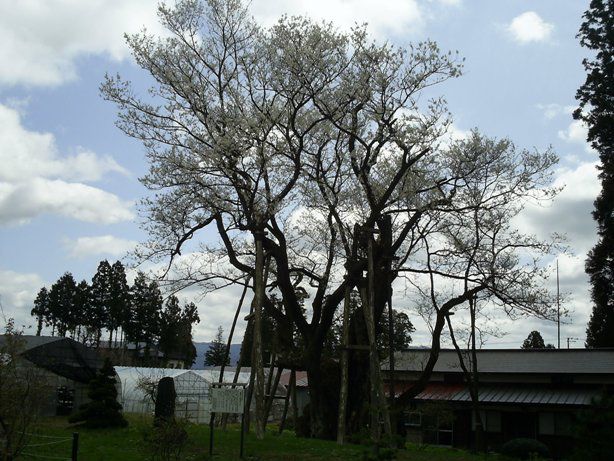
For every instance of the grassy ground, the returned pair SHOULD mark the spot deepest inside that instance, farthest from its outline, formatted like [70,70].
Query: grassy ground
[128,445]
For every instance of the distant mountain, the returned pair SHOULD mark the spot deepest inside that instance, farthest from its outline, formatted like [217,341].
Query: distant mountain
[201,348]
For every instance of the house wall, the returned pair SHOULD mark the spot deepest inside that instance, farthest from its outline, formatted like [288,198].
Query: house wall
[51,384]
[551,425]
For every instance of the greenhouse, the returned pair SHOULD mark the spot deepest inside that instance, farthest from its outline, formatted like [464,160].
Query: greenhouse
[138,386]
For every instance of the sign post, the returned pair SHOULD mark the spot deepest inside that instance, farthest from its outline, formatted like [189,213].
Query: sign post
[227,398]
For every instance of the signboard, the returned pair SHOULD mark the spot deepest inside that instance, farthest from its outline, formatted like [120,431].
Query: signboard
[227,399]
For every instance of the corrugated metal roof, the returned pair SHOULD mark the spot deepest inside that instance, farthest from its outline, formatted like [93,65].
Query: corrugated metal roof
[550,361]
[507,395]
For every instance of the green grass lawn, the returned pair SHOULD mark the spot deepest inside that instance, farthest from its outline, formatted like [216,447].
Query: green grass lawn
[128,445]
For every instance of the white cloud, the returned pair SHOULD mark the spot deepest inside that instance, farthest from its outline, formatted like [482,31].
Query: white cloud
[99,245]
[21,202]
[34,178]
[454,133]
[576,132]
[451,2]
[554,110]
[28,154]
[17,293]
[386,17]
[43,38]
[570,212]
[530,27]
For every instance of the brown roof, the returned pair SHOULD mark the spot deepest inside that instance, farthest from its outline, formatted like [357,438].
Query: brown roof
[508,394]
[550,361]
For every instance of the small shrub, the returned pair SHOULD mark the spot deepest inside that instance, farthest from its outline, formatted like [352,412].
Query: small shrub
[165,440]
[525,449]
[379,453]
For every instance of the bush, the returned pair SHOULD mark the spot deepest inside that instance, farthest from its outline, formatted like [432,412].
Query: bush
[102,410]
[594,431]
[525,449]
[165,440]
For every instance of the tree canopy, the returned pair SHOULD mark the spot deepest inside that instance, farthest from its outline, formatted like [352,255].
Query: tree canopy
[216,354]
[317,145]
[596,109]
[535,341]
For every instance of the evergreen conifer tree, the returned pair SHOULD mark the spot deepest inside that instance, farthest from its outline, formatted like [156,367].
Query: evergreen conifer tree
[101,293]
[41,309]
[103,409]
[535,341]
[61,304]
[596,98]
[216,354]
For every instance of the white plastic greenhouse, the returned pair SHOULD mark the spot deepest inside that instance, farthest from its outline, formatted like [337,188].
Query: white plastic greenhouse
[191,387]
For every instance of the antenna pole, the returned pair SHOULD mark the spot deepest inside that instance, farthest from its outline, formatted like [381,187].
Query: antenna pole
[558,305]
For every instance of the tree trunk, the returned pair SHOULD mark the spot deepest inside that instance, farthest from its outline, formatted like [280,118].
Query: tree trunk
[319,410]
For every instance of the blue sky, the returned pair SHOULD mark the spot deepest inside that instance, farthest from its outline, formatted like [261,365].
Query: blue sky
[69,177]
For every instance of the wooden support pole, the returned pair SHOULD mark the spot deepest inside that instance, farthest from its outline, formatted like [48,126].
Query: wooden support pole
[75,446]
[257,364]
[343,393]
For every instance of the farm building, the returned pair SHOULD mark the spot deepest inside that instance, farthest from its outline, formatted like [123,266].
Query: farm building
[532,393]
[64,365]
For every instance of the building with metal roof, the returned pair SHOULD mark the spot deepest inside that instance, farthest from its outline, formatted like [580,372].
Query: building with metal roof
[64,365]
[533,393]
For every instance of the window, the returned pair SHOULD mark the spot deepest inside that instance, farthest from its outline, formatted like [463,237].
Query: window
[491,420]
[546,423]
[555,423]
[413,419]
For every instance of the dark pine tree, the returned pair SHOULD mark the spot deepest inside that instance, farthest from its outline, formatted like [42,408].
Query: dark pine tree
[402,328]
[41,310]
[176,329]
[144,320]
[61,304]
[535,341]
[216,354]
[118,303]
[103,409]
[81,302]
[596,109]
[100,295]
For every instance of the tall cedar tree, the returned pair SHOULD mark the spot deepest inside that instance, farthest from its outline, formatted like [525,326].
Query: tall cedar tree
[82,306]
[176,330]
[535,341]
[596,97]
[145,307]
[61,304]
[100,292]
[118,303]
[215,355]
[41,310]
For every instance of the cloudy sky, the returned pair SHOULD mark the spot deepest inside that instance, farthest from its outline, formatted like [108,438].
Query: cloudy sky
[69,178]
